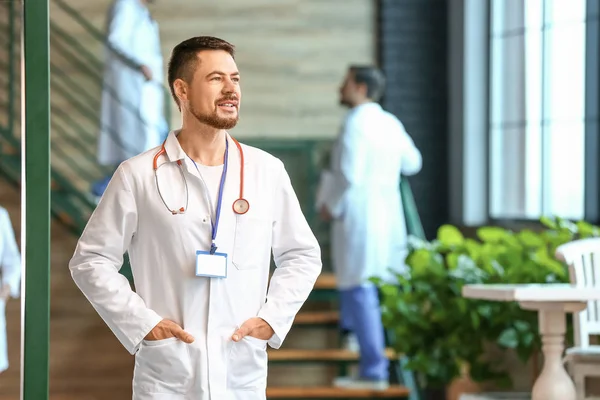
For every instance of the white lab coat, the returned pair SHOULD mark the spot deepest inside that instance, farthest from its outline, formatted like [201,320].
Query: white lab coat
[132,115]
[162,248]
[369,232]
[10,264]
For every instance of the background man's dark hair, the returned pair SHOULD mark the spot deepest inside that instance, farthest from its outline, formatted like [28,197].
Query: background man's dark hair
[372,77]
[184,58]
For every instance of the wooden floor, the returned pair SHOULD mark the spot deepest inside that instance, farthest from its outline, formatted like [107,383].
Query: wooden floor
[86,361]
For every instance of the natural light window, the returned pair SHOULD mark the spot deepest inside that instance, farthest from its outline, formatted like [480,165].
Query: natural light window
[537,108]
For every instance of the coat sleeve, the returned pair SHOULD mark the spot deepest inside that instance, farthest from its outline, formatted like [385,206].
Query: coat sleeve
[350,169]
[98,258]
[412,160]
[10,259]
[121,26]
[297,257]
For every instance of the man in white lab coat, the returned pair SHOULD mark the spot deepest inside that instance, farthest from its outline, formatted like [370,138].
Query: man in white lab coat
[200,234]
[361,195]
[132,107]
[10,270]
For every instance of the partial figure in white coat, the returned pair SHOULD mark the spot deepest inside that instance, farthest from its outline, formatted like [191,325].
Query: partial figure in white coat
[200,234]
[132,108]
[10,270]
[361,196]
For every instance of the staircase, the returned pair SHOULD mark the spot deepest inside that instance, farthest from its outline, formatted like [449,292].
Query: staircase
[312,350]
[332,361]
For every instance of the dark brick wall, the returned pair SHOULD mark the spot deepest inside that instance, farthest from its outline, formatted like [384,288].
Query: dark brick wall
[413,54]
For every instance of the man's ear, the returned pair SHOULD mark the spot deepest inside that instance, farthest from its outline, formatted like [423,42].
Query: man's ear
[181,90]
[363,88]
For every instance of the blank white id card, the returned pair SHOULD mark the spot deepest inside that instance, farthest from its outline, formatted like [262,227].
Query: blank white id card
[211,265]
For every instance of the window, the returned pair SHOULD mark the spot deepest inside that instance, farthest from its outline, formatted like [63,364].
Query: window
[537,78]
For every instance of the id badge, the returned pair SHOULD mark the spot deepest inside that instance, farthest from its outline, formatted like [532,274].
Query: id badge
[211,265]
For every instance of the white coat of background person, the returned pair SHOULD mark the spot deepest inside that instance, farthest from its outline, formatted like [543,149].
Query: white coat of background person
[361,195]
[10,270]
[199,322]
[132,106]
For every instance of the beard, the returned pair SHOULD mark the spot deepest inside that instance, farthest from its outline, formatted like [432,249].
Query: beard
[213,119]
[345,102]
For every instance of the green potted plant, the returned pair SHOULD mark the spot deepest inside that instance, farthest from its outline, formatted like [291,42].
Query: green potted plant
[442,332]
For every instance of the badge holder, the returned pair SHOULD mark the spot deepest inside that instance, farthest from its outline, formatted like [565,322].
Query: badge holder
[211,264]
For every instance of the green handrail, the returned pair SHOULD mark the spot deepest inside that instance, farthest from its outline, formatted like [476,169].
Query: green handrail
[86,97]
[86,112]
[97,76]
[75,133]
[77,17]
[79,50]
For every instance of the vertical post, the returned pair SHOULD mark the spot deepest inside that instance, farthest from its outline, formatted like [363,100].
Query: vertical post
[36,199]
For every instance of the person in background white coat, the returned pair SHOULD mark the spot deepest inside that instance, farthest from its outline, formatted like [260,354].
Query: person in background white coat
[132,106]
[10,268]
[363,201]
[204,309]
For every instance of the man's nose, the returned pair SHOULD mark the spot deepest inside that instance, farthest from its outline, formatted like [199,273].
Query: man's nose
[229,87]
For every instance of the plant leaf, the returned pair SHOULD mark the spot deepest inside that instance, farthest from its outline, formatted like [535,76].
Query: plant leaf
[530,238]
[450,236]
[491,234]
[508,338]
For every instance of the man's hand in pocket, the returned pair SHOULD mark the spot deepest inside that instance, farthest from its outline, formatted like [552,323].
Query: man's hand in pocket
[167,329]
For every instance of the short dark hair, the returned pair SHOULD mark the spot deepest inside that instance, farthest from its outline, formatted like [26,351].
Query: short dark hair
[372,77]
[184,57]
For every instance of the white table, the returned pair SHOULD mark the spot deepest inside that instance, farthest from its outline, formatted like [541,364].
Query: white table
[552,302]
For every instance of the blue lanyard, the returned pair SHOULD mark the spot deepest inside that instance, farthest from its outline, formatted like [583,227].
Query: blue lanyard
[215,224]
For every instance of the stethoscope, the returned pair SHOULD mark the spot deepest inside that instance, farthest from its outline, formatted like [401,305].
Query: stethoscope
[240,206]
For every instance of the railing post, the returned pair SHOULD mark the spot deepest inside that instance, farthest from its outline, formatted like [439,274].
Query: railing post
[36,200]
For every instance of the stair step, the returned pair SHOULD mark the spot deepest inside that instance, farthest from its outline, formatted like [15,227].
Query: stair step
[325,281]
[326,355]
[317,317]
[394,391]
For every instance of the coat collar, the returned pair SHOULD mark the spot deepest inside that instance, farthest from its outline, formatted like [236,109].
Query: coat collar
[175,152]
[173,148]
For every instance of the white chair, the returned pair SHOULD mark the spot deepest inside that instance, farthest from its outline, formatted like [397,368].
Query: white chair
[583,259]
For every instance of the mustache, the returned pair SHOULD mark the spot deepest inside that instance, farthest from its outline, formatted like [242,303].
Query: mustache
[228,97]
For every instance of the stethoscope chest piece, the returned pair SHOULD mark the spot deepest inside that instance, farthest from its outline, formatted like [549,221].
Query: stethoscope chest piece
[241,206]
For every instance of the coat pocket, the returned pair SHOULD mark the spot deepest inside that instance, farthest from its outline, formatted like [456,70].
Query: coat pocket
[163,366]
[248,364]
[252,236]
